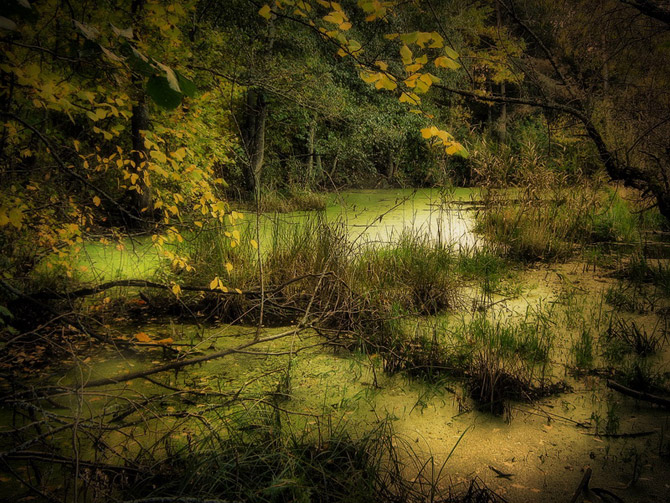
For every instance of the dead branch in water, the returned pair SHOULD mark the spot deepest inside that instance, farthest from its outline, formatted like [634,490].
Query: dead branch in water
[638,395]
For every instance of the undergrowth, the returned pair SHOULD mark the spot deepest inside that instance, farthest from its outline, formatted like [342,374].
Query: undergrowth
[275,463]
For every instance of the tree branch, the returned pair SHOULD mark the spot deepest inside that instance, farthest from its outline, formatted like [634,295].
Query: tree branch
[650,9]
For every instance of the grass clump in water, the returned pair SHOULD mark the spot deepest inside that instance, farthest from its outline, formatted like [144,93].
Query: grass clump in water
[582,350]
[414,273]
[292,199]
[627,335]
[551,220]
[507,360]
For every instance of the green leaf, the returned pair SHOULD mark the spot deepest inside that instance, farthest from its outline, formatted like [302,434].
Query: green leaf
[138,62]
[7,24]
[188,87]
[89,32]
[6,313]
[171,77]
[119,32]
[162,93]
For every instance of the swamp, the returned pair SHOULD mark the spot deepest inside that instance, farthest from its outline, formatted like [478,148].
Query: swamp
[318,251]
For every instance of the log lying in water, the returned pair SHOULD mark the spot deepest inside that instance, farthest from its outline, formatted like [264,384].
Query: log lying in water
[638,395]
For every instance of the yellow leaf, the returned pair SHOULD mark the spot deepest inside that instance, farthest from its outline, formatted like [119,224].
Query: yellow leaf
[453,148]
[167,341]
[335,17]
[96,200]
[369,77]
[410,98]
[229,267]
[385,83]
[451,53]
[176,289]
[438,41]
[158,155]
[179,154]
[214,283]
[254,244]
[406,55]
[413,68]
[446,62]
[142,337]
[444,136]
[16,217]
[265,11]
[426,133]
[423,38]
[238,291]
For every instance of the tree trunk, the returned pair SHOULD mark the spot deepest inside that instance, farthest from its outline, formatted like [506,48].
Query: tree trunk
[254,138]
[311,135]
[391,166]
[141,197]
[501,126]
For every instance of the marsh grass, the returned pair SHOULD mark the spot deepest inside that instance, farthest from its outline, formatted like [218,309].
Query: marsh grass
[497,361]
[509,360]
[630,297]
[639,270]
[582,350]
[414,273]
[627,335]
[484,266]
[536,228]
[324,463]
[292,199]
[551,220]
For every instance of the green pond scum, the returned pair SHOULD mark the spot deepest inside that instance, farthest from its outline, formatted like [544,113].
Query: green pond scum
[405,363]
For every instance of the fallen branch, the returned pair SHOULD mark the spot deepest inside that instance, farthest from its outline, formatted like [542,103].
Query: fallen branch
[622,435]
[583,485]
[140,283]
[183,363]
[638,395]
[62,460]
[176,499]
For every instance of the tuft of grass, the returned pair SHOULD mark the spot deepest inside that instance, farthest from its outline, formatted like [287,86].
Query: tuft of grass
[484,266]
[293,199]
[505,360]
[627,334]
[612,220]
[415,273]
[533,229]
[551,221]
[582,350]
[641,270]
[629,297]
